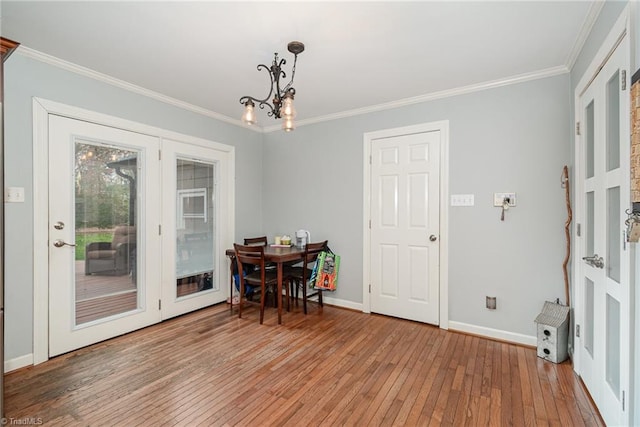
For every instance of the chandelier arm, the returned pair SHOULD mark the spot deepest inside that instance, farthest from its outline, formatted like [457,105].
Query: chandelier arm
[265,101]
[261,103]
[293,74]
[279,73]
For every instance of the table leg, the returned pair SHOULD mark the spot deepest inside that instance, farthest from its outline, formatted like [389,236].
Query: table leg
[279,294]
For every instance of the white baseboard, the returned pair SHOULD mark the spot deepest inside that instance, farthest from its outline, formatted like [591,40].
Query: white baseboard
[493,333]
[18,362]
[341,302]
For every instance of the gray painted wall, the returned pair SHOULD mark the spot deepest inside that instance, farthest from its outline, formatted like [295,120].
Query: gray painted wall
[514,138]
[26,78]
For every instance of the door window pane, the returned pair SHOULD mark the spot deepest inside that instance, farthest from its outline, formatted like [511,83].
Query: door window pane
[589,229]
[613,345]
[613,122]
[614,232]
[589,140]
[105,227]
[195,225]
[588,305]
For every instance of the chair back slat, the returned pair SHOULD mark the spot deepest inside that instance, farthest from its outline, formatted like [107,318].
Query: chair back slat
[312,251]
[248,254]
[256,241]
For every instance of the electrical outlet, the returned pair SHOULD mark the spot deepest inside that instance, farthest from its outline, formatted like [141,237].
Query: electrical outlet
[491,303]
[498,199]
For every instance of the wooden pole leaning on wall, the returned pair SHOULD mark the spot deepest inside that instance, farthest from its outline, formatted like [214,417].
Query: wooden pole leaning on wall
[565,184]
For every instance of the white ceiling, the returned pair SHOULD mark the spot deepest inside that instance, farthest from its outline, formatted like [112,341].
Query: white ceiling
[359,55]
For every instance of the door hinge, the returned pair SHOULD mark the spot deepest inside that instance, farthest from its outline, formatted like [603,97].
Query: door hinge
[159,229]
[577,128]
[159,304]
[369,287]
[624,79]
[369,224]
[622,400]
[578,229]
[159,154]
[578,331]
[370,161]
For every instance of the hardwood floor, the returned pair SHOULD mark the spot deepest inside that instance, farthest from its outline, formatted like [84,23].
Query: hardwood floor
[331,367]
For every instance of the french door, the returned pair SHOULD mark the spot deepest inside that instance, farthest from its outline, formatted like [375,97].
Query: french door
[137,230]
[194,189]
[103,238]
[603,290]
[405,226]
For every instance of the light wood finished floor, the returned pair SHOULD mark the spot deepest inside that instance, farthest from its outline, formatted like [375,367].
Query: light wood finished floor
[331,367]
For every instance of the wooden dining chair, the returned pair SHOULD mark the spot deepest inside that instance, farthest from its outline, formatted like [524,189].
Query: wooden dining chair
[253,256]
[298,276]
[259,241]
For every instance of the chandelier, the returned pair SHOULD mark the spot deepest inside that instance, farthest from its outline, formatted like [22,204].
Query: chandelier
[281,105]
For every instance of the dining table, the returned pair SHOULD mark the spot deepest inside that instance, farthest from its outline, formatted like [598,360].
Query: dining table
[276,254]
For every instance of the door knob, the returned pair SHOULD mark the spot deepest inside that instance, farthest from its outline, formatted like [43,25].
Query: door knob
[58,225]
[594,261]
[433,238]
[60,243]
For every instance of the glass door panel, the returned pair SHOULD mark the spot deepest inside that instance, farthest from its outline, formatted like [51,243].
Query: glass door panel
[195,179]
[589,140]
[105,224]
[612,355]
[588,316]
[614,234]
[613,122]
[195,227]
[589,222]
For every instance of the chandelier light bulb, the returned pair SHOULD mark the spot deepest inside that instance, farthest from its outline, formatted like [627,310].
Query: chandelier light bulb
[249,116]
[287,124]
[288,109]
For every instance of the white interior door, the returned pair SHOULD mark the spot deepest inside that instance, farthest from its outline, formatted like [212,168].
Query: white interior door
[602,306]
[103,233]
[405,206]
[194,239]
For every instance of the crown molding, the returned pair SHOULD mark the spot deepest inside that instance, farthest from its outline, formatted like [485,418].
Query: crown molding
[87,72]
[520,78]
[104,78]
[587,26]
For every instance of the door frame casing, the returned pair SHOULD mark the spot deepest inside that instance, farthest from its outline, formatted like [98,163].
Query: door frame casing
[42,108]
[443,127]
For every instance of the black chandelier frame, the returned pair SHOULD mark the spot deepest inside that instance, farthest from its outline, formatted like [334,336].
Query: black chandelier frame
[275,74]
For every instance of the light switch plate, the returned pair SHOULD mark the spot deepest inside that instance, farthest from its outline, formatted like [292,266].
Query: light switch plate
[462,200]
[14,194]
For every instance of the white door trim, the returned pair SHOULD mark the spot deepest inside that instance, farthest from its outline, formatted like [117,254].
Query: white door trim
[443,127]
[42,108]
